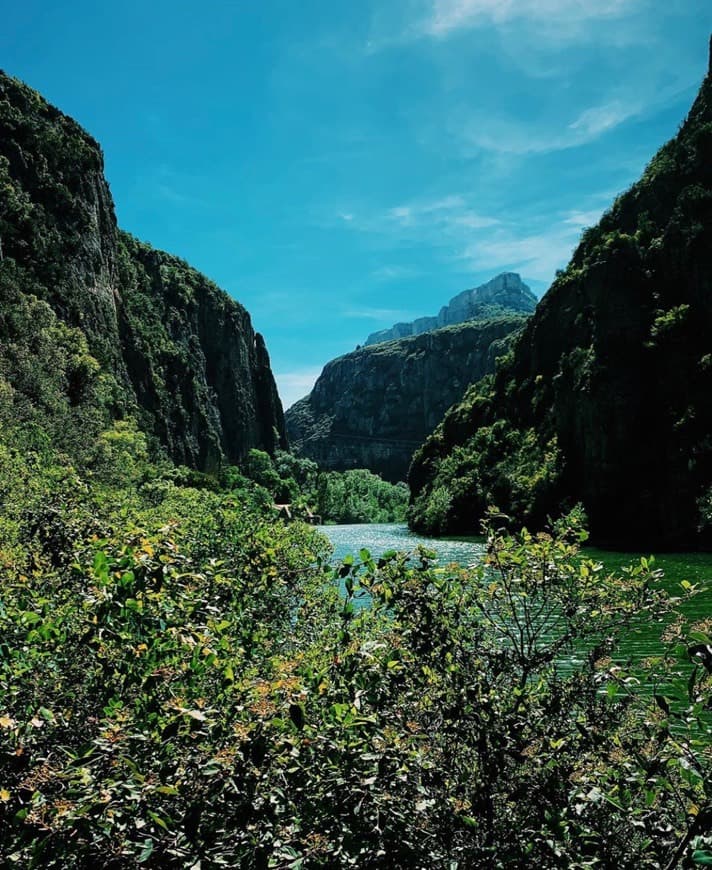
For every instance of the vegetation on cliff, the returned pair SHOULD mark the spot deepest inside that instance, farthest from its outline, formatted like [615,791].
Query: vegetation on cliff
[605,397]
[175,352]
[503,295]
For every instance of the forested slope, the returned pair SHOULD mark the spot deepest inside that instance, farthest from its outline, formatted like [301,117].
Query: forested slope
[605,398]
[172,348]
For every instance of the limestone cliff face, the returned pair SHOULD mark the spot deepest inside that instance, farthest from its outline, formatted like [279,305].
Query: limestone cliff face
[183,353]
[56,213]
[503,294]
[606,399]
[373,407]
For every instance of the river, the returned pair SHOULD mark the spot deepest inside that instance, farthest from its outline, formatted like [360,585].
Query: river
[378,538]
[695,568]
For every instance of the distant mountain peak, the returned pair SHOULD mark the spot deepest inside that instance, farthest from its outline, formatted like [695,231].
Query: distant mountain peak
[505,293]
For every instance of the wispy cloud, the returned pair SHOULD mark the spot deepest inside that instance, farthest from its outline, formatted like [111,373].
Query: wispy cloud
[467,241]
[450,211]
[581,219]
[447,16]
[599,119]
[537,255]
[385,314]
[294,385]
[554,21]
[510,136]
[393,273]
[444,216]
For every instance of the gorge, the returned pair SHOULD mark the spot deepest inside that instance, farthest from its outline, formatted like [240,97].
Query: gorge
[373,407]
[193,673]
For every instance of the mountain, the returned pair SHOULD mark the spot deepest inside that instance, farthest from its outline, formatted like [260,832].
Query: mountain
[371,408]
[502,295]
[605,399]
[172,349]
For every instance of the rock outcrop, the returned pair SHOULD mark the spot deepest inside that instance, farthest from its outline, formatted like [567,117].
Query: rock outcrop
[606,397]
[183,355]
[502,295]
[374,406]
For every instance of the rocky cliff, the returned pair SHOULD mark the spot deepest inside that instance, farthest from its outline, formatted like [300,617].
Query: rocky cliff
[502,295]
[606,397]
[180,352]
[373,407]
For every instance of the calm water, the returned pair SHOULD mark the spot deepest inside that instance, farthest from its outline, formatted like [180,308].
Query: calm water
[379,538]
[696,568]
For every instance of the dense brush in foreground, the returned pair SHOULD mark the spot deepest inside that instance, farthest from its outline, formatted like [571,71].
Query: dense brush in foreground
[188,689]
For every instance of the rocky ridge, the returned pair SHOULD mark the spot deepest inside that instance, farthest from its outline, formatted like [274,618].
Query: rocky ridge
[502,295]
[372,408]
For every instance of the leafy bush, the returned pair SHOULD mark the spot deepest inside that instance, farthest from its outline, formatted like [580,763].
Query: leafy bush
[359,496]
[212,700]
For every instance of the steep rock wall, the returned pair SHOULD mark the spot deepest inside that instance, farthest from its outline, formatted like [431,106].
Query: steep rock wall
[502,295]
[373,407]
[606,397]
[183,354]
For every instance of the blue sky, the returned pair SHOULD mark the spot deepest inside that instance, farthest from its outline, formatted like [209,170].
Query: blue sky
[338,166]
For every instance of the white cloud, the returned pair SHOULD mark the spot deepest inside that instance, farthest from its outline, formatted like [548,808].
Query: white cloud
[531,28]
[393,273]
[367,313]
[293,386]
[599,119]
[447,213]
[469,242]
[447,16]
[509,136]
[581,219]
[537,256]
[442,216]
[403,214]
[472,221]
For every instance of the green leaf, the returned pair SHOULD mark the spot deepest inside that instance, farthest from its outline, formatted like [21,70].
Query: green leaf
[146,852]
[158,820]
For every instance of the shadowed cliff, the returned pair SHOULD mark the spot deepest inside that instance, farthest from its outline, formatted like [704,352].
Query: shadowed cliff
[373,407]
[605,399]
[179,352]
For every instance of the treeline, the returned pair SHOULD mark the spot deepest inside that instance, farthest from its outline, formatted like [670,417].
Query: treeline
[356,496]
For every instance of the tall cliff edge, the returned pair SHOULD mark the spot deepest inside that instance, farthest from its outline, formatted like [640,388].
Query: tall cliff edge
[182,353]
[373,407]
[502,295]
[605,399]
